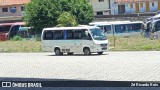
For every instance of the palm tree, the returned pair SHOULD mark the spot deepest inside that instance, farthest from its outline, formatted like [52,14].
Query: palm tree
[67,19]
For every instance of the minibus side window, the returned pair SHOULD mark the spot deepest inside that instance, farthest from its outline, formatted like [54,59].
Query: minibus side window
[157,26]
[137,27]
[107,29]
[101,27]
[129,28]
[48,35]
[84,36]
[78,34]
[69,34]
[119,29]
[14,30]
[58,35]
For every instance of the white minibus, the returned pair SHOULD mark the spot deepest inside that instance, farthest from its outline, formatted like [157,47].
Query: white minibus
[84,39]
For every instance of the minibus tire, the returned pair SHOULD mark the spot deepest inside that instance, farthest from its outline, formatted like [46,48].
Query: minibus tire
[86,51]
[58,52]
[100,53]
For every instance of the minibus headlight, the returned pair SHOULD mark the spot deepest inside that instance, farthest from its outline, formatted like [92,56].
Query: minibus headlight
[103,45]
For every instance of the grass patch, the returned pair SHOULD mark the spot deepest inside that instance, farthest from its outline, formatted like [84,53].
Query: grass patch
[134,44]
[21,46]
[121,44]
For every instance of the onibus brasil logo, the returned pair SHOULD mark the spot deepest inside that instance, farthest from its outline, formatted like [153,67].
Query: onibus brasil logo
[20,84]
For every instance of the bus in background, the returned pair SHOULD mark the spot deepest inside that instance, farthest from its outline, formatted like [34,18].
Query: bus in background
[106,27]
[110,22]
[121,28]
[147,29]
[129,29]
[24,32]
[4,29]
[9,30]
[155,29]
[15,29]
[86,39]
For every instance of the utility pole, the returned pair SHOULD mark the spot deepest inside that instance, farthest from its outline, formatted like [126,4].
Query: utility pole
[114,39]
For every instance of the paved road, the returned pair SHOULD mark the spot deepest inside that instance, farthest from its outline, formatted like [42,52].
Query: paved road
[112,66]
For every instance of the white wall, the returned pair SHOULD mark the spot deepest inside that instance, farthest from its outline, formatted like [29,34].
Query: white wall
[106,13]
[100,6]
[127,8]
[155,7]
[133,10]
[142,9]
[114,8]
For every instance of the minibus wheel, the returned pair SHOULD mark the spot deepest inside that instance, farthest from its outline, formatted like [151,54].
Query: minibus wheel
[100,53]
[86,51]
[58,51]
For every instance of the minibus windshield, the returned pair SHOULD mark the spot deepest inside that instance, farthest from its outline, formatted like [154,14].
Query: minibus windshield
[98,34]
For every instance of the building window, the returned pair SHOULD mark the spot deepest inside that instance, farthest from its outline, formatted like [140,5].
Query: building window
[126,5]
[22,8]
[131,5]
[141,4]
[99,13]
[4,9]
[153,4]
[101,0]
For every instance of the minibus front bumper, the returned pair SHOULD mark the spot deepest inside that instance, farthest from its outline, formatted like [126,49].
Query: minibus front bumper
[101,48]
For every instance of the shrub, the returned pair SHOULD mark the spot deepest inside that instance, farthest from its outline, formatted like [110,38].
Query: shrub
[16,38]
[38,37]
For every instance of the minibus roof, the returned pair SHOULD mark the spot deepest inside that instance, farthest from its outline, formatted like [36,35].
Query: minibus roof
[70,28]
[106,22]
[19,23]
[6,24]
[15,23]
[156,16]
[156,20]
[115,23]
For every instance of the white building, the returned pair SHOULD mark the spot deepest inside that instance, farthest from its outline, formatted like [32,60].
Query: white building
[100,7]
[7,14]
[131,6]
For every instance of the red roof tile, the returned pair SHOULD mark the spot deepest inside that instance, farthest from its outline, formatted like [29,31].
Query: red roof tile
[13,2]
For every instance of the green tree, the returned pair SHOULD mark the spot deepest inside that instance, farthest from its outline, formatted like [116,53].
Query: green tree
[66,19]
[50,13]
